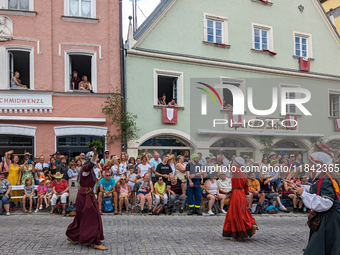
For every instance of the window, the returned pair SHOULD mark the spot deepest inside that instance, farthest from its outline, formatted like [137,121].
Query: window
[22,5]
[20,63]
[80,8]
[262,37]
[228,101]
[168,84]
[291,108]
[334,100]
[20,144]
[303,45]
[85,65]
[215,29]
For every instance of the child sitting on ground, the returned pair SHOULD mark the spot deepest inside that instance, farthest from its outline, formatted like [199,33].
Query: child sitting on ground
[29,193]
[42,189]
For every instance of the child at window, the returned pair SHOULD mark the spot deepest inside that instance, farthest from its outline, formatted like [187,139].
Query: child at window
[28,194]
[42,189]
[48,193]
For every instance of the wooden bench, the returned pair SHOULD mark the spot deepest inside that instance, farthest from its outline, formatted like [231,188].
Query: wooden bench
[21,188]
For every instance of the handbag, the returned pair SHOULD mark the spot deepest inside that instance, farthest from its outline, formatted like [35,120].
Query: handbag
[227,200]
[314,218]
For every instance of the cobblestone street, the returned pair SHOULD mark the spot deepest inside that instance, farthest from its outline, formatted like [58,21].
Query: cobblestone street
[45,234]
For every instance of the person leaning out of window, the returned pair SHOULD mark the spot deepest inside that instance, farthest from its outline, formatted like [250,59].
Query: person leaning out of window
[16,82]
[85,84]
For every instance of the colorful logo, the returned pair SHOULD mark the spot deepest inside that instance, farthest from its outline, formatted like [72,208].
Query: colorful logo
[209,93]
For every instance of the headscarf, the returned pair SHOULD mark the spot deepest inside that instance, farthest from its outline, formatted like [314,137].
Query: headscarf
[239,161]
[320,158]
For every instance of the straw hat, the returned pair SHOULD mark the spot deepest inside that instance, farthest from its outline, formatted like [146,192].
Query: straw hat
[58,175]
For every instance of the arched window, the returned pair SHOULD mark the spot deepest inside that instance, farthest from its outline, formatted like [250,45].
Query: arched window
[232,147]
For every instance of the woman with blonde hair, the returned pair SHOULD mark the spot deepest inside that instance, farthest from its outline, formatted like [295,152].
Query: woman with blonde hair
[180,170]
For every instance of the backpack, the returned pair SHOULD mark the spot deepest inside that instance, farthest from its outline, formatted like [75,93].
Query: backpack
[71,210]
[256,208]
[107,205]
[168,209]
[158,209]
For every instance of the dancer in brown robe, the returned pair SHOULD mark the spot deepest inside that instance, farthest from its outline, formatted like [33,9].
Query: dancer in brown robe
[87,226]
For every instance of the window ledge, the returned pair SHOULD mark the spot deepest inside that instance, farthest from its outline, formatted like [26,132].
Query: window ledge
[79,19]
[79,91]
[165,106]
[20,89]
[217,44]
[261,51]
[259,1]
[18,12]
[297,57]
[332,117]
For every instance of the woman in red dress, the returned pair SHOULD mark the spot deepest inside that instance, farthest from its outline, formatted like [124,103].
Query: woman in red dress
[239,224]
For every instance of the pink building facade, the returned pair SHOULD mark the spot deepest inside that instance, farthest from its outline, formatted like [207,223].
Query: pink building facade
[45,41]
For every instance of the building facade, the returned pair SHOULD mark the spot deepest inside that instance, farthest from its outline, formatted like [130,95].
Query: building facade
[332,8]
[258,45]
[46,41]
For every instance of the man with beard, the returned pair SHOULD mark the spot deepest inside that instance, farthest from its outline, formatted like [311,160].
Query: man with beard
[87,226]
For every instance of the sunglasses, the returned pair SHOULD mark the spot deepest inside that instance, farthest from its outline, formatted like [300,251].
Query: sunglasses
[107,152]
[123,179]
[108,175]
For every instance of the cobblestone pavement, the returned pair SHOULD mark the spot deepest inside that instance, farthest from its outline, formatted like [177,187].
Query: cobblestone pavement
[45,234]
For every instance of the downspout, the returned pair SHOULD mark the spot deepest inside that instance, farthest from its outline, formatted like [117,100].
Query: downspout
[122,64]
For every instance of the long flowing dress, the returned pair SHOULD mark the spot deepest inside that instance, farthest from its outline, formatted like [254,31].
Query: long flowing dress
[87,226]
[13,177]
[326,239]
[27,173]
[238,221]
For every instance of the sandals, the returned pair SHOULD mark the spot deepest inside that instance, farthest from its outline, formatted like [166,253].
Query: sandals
[150,212]
[120,212]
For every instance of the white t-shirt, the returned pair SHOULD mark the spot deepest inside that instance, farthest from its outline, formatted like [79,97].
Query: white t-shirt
[226,162]
[122,168]
[144,169]
[173,167]
[96,172]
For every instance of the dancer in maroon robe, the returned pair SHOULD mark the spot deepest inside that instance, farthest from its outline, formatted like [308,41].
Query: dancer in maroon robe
[87,225]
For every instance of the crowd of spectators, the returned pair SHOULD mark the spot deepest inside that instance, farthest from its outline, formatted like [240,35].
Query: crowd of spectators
[148,180]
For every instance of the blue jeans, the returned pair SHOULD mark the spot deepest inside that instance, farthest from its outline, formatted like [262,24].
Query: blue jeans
[275,183]
[194,194]
[5,200]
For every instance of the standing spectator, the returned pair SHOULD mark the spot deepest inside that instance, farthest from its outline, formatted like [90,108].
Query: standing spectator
[82,158]
[180,170]
[154,163]
[5,164]
[264,166]
[194,192]
[160,191]
[224,184]
[254,190]
[291,161]
[63,167]
[27,171]
[283,156]
[201,160]
[41,193]
[172,165]
[75,80]
[57,157]
[208,161]
[78,165]
[72,171]
[122,166]
[28,194]
[106,157]
[144,192]
[14,175]
[60,190]
[107,189]
[138,162]
[143,168]
[224,160]
[213,194]
[124,190]
[132,161]
[39,167]
[5,192]
[164,169]
[107,166]
[52,168]
[114,168]
[177,191]
[298,162]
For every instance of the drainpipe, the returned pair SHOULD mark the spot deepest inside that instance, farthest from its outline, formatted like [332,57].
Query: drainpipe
[122,63]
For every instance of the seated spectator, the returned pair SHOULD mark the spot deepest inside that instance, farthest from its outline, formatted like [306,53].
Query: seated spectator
[75,80]
[305,184]
[160,191]
[49,193]
[41,193]
[132,181]
[144,192]
[85,84]
[212,193]
[5,192]
[172,104]
[275,175]
[72,172]
[107,189]
[269,191]
[162,100]
[254,190]
[60,190]
[16,82]
[224,183]
[124,190]
[28,194]
[289,191]
[177,191]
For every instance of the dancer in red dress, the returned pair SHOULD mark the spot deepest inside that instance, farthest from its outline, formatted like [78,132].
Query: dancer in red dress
[239,224]
[87,226]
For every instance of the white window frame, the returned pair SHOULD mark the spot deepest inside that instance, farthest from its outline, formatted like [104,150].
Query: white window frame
[180,87]
[4,3]
[269,29]
[309,43]
[221,19]
[332,92]
[224,79]
[7,77]
[93,9]
[297,95]
[92,54]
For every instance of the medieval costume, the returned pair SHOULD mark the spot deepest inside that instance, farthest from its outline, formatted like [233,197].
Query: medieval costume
[239,223]
[87,225]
